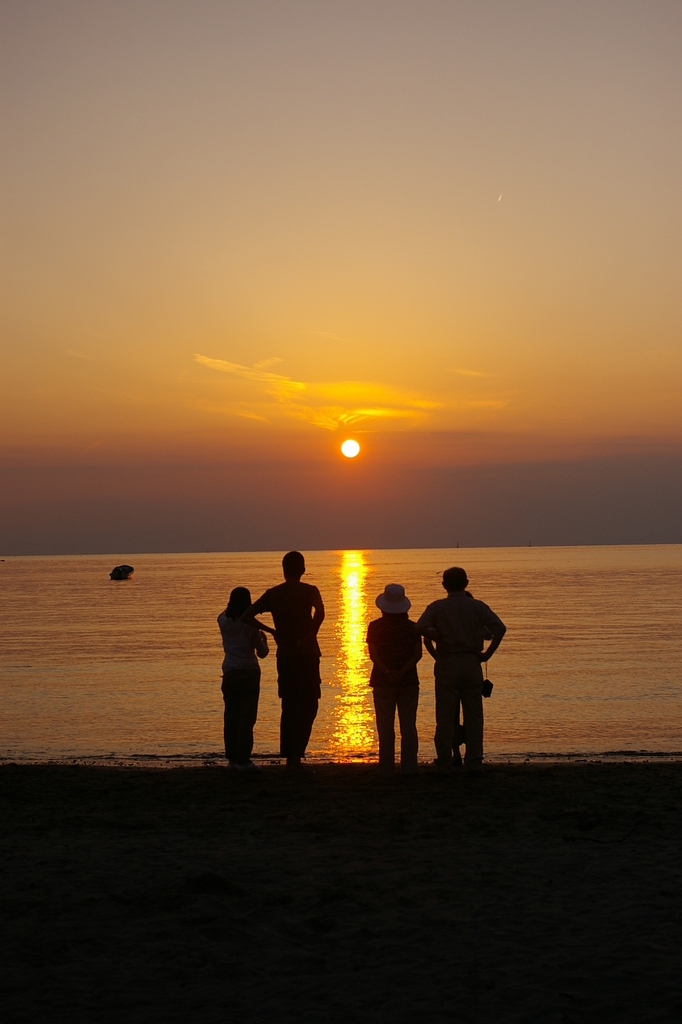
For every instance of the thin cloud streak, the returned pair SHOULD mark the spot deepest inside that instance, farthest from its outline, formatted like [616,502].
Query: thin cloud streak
[276,384]
[469,373]
[326,404]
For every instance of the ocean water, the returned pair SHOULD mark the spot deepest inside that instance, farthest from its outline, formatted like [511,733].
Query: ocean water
[129,672]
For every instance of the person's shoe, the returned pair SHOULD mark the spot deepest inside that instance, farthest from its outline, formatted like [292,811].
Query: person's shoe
[385,773]
[293,764]
[248,767]
[231,766]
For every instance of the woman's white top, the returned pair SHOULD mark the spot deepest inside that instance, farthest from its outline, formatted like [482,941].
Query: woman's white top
[241,643]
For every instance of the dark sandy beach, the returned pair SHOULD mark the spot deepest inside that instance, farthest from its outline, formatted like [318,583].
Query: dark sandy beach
[531,894]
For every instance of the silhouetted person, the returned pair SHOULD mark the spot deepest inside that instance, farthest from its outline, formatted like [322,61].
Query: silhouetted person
[241,679]
[298,613]
[458,624]
[395,647]
[460,736]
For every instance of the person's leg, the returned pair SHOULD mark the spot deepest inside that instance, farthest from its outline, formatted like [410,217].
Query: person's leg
[299,712]
[460,737]
[300,690]
[471,684]
[447,707]
[311,693]
[287,733]
[248,713]
[230,718]
[408,699]
[306,713]
[384,706]
[288,691]
[227,737]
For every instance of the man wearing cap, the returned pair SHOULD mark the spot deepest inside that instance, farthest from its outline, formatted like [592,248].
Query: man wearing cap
[395,647]
[458,624]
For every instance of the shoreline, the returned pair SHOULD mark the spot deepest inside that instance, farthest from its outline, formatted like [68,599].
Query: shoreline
[216,759]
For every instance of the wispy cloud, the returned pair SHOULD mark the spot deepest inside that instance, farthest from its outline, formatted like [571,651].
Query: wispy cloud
[274,384]
[263,364]
[324,404]
[469,373]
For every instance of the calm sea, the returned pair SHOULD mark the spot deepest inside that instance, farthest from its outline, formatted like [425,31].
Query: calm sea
[96,670]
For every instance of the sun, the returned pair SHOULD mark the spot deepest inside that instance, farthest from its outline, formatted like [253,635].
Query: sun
[350,449]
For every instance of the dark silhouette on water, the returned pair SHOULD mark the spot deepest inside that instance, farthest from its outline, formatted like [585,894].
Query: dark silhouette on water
[458,624]
[121,572]
[243,644]
[395,647]
[298,612]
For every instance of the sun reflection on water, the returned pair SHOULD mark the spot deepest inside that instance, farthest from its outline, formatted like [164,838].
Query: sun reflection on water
[354,733]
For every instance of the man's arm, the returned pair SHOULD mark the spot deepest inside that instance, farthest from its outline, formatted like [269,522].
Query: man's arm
[262,648]
[264,628]
[426,623]
[498,629]
[318,611]
[315,622]
[249,616]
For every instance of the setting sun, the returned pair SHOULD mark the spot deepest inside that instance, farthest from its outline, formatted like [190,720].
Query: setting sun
[350,449]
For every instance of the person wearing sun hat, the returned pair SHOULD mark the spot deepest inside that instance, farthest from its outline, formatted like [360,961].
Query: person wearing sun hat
[395,647]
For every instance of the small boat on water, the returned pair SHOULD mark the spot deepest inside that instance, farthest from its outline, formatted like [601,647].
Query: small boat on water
[121,572]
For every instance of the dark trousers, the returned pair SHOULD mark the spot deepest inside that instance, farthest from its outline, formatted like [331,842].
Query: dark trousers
[299,689]
[386,700]
[459,678]
[241,689]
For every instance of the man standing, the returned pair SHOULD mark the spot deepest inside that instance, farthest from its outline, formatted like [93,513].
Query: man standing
[298,613]
[458,624]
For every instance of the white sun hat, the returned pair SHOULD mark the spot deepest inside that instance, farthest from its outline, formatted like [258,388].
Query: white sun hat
[393,600]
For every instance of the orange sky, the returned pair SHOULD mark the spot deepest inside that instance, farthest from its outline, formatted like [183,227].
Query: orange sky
[244,231]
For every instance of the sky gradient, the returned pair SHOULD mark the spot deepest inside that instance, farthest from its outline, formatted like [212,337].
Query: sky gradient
[236,233]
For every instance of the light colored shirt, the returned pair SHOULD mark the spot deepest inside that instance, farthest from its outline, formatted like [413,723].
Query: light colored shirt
[458,624]
[241,643]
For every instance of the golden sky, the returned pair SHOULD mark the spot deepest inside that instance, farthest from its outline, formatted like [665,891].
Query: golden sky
[450,229]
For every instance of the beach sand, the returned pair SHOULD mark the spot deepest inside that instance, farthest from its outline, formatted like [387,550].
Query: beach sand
[533,893]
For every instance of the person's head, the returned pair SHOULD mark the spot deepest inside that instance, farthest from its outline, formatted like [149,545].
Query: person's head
[293,565]
[240,600]
[393,600]
[455,579]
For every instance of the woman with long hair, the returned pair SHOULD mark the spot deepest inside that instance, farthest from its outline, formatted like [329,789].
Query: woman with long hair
[243,644]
